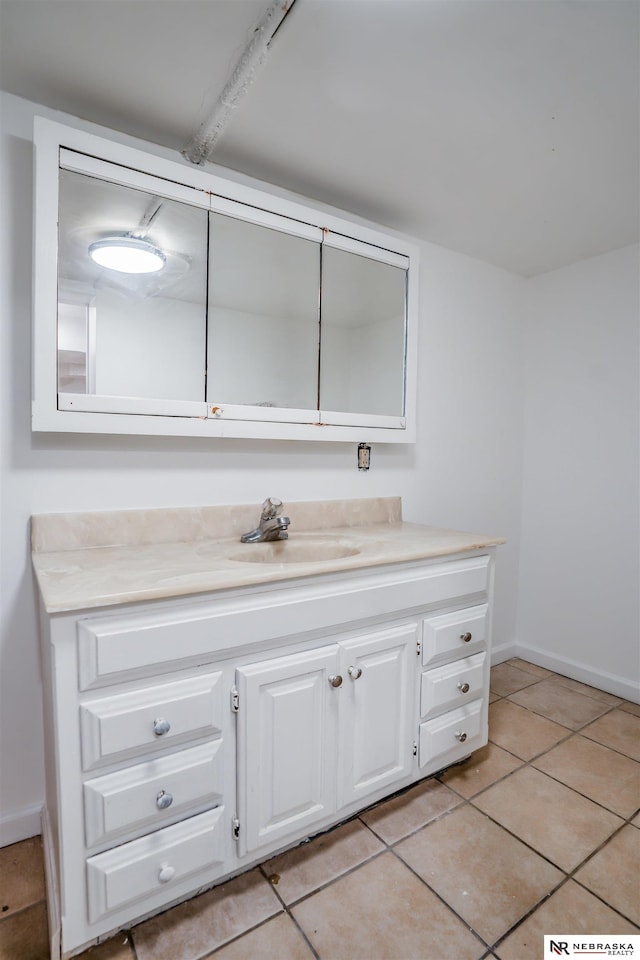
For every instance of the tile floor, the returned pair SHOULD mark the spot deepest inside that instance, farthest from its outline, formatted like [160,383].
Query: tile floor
[539,832]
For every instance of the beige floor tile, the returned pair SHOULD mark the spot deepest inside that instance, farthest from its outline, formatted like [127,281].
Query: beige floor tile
[488,877]
[636,821]
[551,700]
[277,939]
[195,928]
[118,948]
[550,817]
[483,768]
[382,911]
[402,815]
[506,679]
[307,867]
[530,667]
[24,935]
[599,773]
[571,909]
[493,697]
[601,695]
[521,732]
[619,730]
[21,875]
[613,873]
[629,707]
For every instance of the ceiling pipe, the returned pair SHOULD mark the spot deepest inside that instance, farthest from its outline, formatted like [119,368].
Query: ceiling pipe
[200,147]
[153,209]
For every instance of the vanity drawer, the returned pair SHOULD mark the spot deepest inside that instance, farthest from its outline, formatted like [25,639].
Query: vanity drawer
[155,863]
[452,685]
[123,725]
[454,634]
[145,795]
[452,736]
[112,649]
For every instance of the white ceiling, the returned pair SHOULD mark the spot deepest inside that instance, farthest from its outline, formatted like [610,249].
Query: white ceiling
[504,129]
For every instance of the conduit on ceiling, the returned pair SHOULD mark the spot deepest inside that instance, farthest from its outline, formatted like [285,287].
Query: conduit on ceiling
[200,147]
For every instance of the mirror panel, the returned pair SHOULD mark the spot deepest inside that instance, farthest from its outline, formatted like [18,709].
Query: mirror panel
[129,334]
[362,350]
[263,316]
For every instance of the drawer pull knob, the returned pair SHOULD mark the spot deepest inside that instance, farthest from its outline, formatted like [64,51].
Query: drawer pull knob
[160,727]
[460,736]
[465,637]
[166,873]
[335,680]
[463,687]
[355,672]
[163,800]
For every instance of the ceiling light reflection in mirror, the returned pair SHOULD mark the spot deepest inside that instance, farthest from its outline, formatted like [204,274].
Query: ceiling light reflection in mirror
[127,255]
[145,332]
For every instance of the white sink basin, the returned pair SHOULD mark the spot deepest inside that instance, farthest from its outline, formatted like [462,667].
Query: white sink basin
[308,550]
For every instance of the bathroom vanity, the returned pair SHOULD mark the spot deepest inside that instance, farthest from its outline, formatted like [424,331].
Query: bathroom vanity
[209,703]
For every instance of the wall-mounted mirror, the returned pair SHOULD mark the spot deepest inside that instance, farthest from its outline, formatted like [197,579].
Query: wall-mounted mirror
[170,301]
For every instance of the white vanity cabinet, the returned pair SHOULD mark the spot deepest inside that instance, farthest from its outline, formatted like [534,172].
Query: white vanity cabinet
[322,729]
[190,738]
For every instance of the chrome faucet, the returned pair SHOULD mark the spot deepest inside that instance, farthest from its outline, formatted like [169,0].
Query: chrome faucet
[272,526]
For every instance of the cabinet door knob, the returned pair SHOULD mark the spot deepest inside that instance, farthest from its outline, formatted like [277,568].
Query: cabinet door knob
[161,726]
[463,687]
[355,672]
[465,637]
[460,736]
[335,680]
[164,800]
[166,873]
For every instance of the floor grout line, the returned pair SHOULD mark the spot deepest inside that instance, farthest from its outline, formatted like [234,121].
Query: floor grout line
[441,899]
[7,915]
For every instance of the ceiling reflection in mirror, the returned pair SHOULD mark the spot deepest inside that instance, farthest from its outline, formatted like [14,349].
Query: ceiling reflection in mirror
[130,334]
[263,316]
[362,357]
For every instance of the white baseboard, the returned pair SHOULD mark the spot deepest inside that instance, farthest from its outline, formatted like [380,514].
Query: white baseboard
[609,682]
[21,825]
[502,652]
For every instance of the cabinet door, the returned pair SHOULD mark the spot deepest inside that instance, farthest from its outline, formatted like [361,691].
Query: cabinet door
[286,746]
[377,711]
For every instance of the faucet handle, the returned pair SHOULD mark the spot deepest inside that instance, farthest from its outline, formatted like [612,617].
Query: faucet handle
[271,508]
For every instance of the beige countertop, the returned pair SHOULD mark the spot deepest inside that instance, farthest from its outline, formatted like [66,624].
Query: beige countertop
[89,560]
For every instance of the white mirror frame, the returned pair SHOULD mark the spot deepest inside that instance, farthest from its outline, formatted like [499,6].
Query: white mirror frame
[56,145]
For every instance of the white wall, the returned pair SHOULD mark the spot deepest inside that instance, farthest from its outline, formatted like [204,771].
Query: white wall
[137,343]
[469,450]
[246,356]
[464,471]
[580,580]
